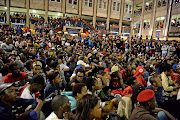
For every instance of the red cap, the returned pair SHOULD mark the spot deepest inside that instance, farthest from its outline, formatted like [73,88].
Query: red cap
[106,70]
[139,71]
[145,95]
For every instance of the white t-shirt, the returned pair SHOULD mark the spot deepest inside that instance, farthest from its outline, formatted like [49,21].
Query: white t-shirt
[26,94]
[52,116]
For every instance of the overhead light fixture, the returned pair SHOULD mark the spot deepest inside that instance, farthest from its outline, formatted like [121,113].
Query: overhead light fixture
[34,11]
[5,8]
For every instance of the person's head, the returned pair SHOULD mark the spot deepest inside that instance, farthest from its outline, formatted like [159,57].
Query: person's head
[79,90]
[7,93]
[60,104]
[54,77]
[136,90]
[105,58]
[37,83]
[41,54]
[14,68]
[176,68]
[88,108]
[139,71]
[55,65]
[37,67]
[146,99]
[155,80]
[166,68]
[8,41]
[80,74]
[114,70]
[131,81]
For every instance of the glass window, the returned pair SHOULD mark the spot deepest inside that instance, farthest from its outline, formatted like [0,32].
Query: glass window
[90,3]
[130,9]
[100,3]
[126,8]
[86,2]
[114,5]
[70,1]
[75,2]
[118,6]
[105,5]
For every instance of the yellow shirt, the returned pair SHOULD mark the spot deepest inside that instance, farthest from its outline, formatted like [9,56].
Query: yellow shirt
[167,84]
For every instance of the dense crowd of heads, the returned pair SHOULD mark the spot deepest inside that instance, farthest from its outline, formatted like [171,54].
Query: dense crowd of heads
[100,76]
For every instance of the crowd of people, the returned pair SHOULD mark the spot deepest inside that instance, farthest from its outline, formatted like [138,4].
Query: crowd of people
[50,75]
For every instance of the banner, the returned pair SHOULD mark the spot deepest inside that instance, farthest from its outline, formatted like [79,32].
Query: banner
[158,33]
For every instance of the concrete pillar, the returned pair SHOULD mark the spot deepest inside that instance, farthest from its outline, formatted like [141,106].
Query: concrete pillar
[46,10]
[63,6]
[8,12]
[27,13]
[142,17]
[121,17]
[132,22]
[108,14]
[80,8]
[153,20]
[168,19]
[94,13]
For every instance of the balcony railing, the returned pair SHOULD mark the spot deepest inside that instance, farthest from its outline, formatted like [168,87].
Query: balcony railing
[71,22]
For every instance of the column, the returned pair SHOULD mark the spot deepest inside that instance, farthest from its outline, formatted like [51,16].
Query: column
[153,20]
[108,14]
[121,17]
[168,19]
[8,12]
[27,13]
[80,8]
[94,13]
[142,18]
[132,21]
[46,10]
[63,6]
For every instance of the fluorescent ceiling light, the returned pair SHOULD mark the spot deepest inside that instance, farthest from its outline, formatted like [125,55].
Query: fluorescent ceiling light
[34,11]
[5,7]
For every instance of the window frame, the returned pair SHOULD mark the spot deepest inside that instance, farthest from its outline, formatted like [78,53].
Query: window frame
[100,3]
[118,6]
[86,1]
[90,3]
[114,6]
[104,3]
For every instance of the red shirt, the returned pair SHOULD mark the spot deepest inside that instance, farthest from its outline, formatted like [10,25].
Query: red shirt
[173,77]
[9,79]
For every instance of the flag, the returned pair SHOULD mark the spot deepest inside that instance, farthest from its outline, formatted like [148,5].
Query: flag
[105,1]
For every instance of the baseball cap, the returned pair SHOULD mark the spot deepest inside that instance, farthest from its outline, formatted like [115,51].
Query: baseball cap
[5,86]
[36,63]
[38,79]
[175,66]
[114,69]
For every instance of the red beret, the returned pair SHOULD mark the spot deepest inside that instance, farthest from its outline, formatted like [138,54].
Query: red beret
[145,95]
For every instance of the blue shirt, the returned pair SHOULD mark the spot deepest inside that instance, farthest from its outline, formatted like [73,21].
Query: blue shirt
[6,111]
[158,94]
[72,100]
[51,89]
